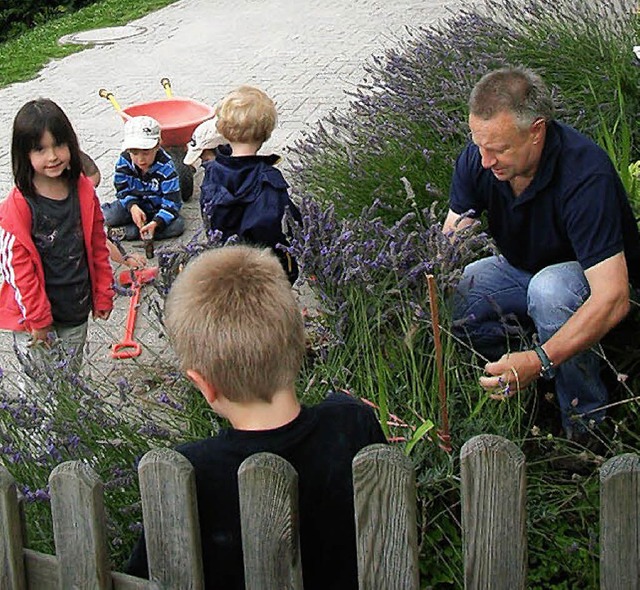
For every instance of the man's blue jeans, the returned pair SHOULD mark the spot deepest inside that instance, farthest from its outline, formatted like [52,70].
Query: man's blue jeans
[496,301]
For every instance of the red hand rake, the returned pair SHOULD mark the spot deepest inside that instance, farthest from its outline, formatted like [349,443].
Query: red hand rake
[128,347]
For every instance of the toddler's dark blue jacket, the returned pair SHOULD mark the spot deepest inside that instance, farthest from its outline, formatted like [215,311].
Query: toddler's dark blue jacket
[246,196]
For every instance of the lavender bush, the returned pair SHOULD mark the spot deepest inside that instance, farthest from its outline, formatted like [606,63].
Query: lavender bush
[58,416]
[410,121]
[366,245]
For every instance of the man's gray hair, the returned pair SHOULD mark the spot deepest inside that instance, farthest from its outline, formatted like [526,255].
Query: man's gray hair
[515,90]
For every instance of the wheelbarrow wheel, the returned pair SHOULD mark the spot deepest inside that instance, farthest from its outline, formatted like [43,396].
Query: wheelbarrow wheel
[185,173]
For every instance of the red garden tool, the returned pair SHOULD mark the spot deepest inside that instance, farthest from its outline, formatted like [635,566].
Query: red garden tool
[127,347]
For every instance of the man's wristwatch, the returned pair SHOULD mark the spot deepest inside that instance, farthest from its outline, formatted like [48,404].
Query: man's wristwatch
[545,361]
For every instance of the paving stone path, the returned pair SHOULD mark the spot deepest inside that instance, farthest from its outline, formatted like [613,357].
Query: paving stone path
[305,53]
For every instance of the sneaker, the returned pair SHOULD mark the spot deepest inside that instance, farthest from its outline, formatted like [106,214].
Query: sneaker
[129,232]
[116,234]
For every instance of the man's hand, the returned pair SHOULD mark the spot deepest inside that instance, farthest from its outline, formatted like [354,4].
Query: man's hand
[138,215]
[101,315]
[511,373]
[147,232]
[454,223]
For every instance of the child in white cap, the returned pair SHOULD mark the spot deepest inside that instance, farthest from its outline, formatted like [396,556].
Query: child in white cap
[147,186]
[203,143]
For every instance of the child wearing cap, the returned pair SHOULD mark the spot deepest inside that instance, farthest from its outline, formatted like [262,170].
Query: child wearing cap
[203,143]
[242,193]
[147,186]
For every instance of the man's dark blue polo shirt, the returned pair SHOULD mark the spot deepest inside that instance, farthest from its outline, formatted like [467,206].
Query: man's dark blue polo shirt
[574,209]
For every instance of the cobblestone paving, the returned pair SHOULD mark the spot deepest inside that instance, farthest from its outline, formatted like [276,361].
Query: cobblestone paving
[305,53]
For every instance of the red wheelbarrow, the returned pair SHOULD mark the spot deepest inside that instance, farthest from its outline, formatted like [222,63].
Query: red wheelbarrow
[178,117]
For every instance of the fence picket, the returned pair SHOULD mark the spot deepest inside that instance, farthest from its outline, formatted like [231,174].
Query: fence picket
[494,515]
[42,570]
[170,516]
[12,576]
[385,510]
[620,523]
[79,527]
[268,487]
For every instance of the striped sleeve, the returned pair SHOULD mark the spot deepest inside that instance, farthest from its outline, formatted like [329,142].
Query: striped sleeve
[19,272]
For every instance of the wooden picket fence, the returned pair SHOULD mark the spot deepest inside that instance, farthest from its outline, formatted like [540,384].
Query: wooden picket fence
[493,488]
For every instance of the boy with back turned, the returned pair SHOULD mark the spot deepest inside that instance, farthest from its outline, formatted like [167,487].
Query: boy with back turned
[238,333]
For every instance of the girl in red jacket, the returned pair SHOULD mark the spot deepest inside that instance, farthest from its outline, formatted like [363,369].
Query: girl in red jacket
[53,253]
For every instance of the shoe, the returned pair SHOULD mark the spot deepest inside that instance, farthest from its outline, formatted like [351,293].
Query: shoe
[583,452]
[129,232]
[116,234]
[590,441]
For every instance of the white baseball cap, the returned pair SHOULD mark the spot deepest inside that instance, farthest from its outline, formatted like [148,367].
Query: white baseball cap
[205,137]
[142,133]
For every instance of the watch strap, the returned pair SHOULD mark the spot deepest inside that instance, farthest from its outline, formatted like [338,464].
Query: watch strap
[545,361]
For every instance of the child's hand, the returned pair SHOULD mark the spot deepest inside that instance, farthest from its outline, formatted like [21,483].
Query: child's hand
[147,231]
[101,315]
[135,261]
[138,215]
[40,335]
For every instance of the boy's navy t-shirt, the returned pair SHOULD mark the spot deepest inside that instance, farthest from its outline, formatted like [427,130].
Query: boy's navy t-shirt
[320,444]
[574,209]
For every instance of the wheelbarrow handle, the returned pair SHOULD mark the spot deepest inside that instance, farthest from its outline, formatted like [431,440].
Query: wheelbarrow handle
[104,93]
[166,84]
[126,349]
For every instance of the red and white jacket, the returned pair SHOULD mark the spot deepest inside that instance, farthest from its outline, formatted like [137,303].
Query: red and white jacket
[24,305]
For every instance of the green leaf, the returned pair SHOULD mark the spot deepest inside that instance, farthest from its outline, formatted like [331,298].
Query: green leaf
[417,435]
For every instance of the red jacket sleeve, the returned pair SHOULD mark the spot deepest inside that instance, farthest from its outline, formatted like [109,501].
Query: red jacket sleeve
[22,277]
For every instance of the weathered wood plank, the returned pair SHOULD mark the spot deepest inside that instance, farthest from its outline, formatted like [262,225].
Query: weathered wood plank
[620,523]
[170,517]
[79,527]
[125,582]
[494,514]
[42,570]
[385,511]
[268,487]
[12,575]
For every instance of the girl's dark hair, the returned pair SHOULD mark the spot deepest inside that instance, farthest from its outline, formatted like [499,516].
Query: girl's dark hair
[33,119]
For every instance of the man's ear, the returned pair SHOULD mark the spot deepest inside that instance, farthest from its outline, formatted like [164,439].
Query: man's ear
[203,385]
[538,129]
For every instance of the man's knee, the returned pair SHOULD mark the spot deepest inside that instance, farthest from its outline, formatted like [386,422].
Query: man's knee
[490,288]
[556,292]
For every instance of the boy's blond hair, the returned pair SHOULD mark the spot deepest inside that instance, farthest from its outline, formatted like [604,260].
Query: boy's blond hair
[246,115]
[232,317]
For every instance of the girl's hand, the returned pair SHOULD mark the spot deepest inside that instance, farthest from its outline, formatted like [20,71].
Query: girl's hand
[138,216]
[41,335]
[101,315]
[135,261]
